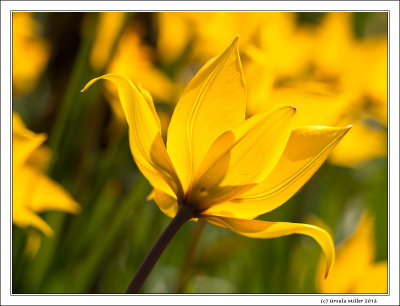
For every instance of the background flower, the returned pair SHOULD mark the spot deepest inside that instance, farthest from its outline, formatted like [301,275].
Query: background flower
[33,191]
[355,269]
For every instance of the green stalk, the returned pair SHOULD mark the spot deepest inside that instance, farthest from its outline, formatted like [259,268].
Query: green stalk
[81,66]
[184,214]
[187,265]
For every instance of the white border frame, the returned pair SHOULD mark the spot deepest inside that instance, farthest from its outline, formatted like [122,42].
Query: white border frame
[8,6]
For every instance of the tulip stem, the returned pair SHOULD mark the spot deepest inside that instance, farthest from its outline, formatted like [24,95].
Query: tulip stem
[184,214]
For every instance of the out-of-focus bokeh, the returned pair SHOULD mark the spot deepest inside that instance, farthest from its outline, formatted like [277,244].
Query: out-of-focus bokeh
[331,66]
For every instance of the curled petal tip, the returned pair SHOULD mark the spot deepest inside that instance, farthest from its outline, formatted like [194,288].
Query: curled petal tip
[294,108]
[235,41]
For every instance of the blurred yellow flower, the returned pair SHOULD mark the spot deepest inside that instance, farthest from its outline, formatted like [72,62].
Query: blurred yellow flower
[354,270]
[318,105]
[275,34]
[135,59]
[217,164]
[33,191]
[326,55]
[358,69]
[358,66]
[173,36]
[110,24]
[30,52]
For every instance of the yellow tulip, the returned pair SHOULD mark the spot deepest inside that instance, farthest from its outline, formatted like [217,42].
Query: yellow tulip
[218,165]
[30,52]
[110,23]
[136,59]
[173,35]
[33,191]
[354,270]
[327,103]
[359,69]
[275,34]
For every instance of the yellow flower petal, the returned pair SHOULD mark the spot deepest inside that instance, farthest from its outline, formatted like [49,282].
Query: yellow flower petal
[109,25]
[259,80]
[48,195]
[374,279]
[147,147]
[334,43]
[135,59]
[354,270]
[362,144]
[173,36]
[30,52]
[34,192]
[316,105]
[149,99]
[23,217]
[40,158]
[166,202]
[242,157]
[305,152]
[212,103]
[264,229]
[25,140]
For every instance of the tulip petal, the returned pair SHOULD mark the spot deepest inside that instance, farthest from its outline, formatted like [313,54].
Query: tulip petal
[47,194]
[166,202]
[242,157]
[23,217]
[374,279]
[305,152]
[25,140]
[149,99]
[265,229]
[354,270]
[213,102]
[147,147]
[34,192]
[316,104]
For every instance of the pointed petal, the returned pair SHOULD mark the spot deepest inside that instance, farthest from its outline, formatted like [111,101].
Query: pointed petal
[316,103]
[362,144]
[305,152]
[264,229]
[48,195]
[33,192]
[242,157]
[23,218]
[24,141]
[147,147]
[212,103]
